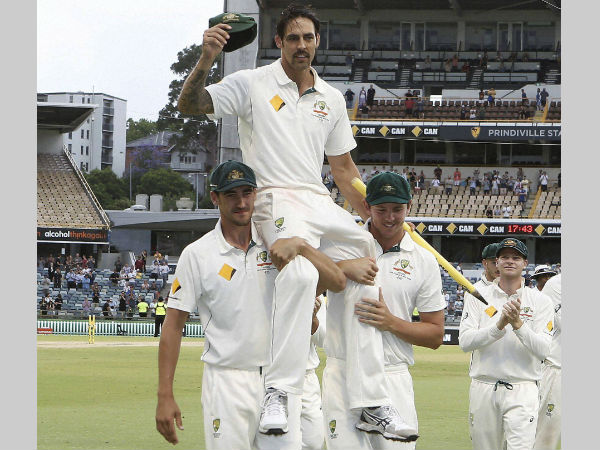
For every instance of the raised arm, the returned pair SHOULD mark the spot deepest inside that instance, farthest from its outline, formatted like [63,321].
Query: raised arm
[194,98]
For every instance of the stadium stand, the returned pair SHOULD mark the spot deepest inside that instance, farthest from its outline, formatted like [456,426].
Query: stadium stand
[64,198]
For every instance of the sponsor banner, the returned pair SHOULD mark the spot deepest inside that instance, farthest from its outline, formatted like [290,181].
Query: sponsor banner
[82,235]
[458,228]
[450,336]
[457,132]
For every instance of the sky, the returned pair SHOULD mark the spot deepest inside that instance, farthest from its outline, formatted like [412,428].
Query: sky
[122,48]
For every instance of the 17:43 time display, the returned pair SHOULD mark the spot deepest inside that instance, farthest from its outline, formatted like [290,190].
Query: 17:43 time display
[520,229]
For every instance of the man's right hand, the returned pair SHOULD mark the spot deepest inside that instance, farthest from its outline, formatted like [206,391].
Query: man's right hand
[167,412]
[214,40]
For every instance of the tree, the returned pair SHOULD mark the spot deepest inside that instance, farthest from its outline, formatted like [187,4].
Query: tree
[139,129]
[111,191]
[165,182]
[196,131]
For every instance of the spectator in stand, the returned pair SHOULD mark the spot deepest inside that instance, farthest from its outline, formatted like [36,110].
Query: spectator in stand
[364,176]
[458,308]
[495,185]
[428,63]
[544,181]
[409,105]
[456,177]
[86,307]
[543,96]
[77,259]
[463,112]
[91,263]
[131,306]
[71,280]
[139,264]
[96,298]
[412,178]
[506,211]
[422,178]
[523,113]
[153,286]
[164,272]
[44,305]
[153,307]
[85,282]
[455,63]
[486,185]
[524,100]
[473,113]
[45,284]
[447,65]
[79,279]
[435,183]
[481,94]
[451,308]
[489,213]
[497,211]
[106,309]
[145,286]
[492,94]
[362,98]
[155,270]
[510,185]
[370,96]
[58,302]
[349,95]
[114,277]
[437,173]
[522,196]
[448,185]
[538,99]
[420,111]
[473,186]
[466,67]
[459,269]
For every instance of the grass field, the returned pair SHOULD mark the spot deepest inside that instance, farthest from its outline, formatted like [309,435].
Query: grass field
[103,396]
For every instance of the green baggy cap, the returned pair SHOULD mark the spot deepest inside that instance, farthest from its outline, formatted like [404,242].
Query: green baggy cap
[243,29]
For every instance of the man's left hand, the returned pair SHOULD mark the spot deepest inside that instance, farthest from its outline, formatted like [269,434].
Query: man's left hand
[375,312]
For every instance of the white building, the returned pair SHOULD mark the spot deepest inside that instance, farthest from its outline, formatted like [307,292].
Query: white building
[100,141]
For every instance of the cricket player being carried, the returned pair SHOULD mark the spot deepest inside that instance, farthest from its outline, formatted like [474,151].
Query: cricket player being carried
[229,278]
[288,120]
[509,339]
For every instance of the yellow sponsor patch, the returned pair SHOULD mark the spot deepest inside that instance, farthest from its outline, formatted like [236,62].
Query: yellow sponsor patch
[491,311]
[175,286]
[277,103]
[227,272]
[550,327]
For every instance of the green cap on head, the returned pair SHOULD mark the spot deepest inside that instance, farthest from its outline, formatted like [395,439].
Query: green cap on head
[513,243]
[243,29]
[388,187]
[231,174]
[489,251]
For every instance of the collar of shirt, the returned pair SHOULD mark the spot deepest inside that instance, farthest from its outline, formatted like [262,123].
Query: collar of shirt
[406,244]
[225,247]
[283,79]
[499,289]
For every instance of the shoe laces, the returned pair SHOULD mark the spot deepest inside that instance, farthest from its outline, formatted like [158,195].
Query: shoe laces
[273,403]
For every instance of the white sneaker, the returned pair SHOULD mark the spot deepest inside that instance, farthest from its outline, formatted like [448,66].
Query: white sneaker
[387,421]
[273,417]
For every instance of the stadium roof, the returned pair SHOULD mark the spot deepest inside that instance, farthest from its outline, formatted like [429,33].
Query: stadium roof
[456,5]
[63,117]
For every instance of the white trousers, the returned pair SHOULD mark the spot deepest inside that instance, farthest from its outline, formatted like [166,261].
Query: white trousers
[231,404]
[499,416]
[282,213]
[547,435]
[311,417]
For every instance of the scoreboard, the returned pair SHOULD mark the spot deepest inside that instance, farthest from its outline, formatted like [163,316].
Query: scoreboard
[482,227]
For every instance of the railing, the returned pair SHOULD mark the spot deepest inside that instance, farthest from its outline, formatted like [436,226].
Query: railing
[107,127]
[106,326]
[87,187]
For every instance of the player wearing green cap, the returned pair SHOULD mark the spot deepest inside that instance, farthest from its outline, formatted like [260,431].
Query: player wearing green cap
[507,350]
[490,271]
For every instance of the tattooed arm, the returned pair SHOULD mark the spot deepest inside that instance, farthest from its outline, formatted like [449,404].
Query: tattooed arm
[194,98]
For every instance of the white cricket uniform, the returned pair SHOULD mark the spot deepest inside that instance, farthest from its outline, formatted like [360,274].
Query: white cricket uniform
[232,291]
[284,137]
[311,419]
[499,413]
[548,426]
[482,282]
[410,277]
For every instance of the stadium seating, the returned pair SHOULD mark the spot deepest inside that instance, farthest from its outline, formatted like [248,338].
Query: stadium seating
[62,200]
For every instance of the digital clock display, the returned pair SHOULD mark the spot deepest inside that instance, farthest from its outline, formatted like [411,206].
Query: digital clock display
[520,228]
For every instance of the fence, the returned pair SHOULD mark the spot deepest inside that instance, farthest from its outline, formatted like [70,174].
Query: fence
[111,328]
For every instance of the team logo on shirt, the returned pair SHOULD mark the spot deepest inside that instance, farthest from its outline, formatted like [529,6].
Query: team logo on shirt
[279,225]
[332,425]
[399,268]
[175,286]
[320,110]
[227,272]
[277,103]
[263,262]
[549,409]
[216,426]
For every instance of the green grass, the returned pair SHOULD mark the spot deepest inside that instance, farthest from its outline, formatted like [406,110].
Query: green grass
[105,397]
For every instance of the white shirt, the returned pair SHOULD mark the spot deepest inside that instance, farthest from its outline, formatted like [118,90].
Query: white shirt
[552,289]
[232,291]
[163,269]
[410,277]
[482,282]
[507,354]
[284,136]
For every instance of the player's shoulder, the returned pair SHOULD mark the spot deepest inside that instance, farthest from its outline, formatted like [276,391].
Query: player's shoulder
[201,246]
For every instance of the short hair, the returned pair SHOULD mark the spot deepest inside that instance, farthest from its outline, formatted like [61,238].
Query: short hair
[293,11]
